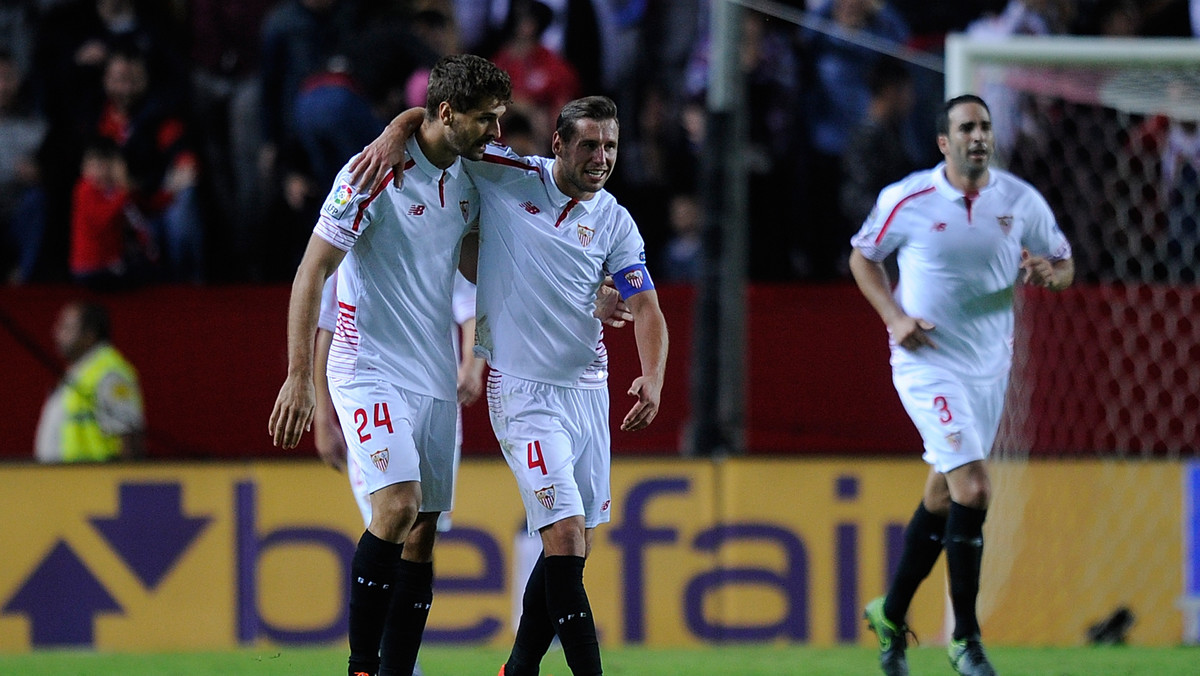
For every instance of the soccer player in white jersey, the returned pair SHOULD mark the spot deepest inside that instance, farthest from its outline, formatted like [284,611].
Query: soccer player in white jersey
[548,233]
[392,371]
[327,431]
[964,232]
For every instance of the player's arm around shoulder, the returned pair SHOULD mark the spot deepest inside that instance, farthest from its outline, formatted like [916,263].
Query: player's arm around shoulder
[650,332]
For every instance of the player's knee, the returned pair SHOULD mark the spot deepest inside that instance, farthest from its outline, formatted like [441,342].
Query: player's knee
[418,546]
[565,538]
[394,510]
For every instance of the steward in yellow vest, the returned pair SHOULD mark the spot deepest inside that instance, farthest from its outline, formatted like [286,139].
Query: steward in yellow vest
[96,412]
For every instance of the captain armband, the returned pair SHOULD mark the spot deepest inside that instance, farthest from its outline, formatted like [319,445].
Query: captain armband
[633,280]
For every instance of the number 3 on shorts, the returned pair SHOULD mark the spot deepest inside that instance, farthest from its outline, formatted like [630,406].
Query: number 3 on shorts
[382,419]
[536,461]
[943,408]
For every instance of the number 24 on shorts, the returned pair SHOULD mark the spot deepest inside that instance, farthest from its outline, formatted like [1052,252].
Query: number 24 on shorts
[382,419]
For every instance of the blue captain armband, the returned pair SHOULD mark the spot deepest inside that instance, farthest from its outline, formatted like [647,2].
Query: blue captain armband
[633,280]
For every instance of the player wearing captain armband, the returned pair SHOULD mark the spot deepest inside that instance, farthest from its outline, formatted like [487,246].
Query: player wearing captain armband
[548,233]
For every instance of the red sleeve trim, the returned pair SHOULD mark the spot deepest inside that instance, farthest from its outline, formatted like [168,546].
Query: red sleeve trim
[896,209]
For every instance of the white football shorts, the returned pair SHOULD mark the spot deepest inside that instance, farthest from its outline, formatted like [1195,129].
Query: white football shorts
[957,419]
[397,435]
[556,441]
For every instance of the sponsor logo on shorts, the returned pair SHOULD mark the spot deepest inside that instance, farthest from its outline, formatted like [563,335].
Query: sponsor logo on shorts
[634,277]
[955,441]
[546,496]
[604,507]
[380,459]
[585,234]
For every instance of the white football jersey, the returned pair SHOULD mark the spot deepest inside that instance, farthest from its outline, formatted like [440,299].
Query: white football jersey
[395,285]
[542,256]
[959,258]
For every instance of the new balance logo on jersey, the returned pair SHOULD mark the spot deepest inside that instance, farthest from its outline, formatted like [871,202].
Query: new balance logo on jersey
[938,227]
[416,210]
[585,234]
[531,208]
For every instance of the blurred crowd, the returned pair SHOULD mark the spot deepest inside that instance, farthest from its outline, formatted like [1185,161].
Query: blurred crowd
[192,141]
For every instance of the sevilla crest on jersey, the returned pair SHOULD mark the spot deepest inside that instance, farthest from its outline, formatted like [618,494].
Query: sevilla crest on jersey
[1005,224]
[585,234]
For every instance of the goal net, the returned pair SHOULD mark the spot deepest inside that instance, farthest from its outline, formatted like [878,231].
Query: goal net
[1106,129]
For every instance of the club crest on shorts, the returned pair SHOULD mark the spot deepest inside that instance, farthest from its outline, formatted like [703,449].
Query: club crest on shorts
[380,459]
[634,277]
[546,496]
[955,441]
[1005,224]
[585,234]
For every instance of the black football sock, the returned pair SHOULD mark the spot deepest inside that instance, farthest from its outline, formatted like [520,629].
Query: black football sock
[571,615]
[372,574]
[964,556]
[534,632]
[922,546]
[411,600]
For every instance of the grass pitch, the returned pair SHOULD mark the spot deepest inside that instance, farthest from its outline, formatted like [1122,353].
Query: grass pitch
[714,661]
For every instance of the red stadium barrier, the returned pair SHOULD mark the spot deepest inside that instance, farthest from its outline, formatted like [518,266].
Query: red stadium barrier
[818,382]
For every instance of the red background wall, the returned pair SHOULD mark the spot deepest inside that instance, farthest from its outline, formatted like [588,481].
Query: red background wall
[212,359]
[818,381]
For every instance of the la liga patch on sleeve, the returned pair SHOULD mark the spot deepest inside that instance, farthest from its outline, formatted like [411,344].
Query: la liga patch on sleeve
[339,200]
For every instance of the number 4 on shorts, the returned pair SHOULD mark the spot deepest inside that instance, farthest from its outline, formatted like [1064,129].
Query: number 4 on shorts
[536,461]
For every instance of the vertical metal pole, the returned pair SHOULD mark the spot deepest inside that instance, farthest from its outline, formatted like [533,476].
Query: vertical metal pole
[719,342]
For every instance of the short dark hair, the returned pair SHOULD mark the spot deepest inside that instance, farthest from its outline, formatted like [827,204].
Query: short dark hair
[466,82]
[93,317]
[943,119]
[597,108]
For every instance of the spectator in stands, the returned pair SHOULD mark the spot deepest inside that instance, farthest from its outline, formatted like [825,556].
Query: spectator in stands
[681,258]
[837,99]
[876,154]
[225,49]
[22,199]
[333,119]
[110,245]
[74,41]
[543,81]
[153,140]
[95,413]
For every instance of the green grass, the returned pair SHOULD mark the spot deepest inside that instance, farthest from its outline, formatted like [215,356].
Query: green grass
[725,661]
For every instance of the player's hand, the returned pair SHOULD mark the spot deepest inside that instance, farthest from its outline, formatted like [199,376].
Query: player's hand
[610,308]
[647,391]
[1038,271]
[470,387]
[331,445]
[385,153]
[292,413]
[912,333]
